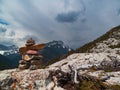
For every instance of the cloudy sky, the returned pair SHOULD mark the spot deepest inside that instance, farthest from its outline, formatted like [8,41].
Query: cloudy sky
[75,22]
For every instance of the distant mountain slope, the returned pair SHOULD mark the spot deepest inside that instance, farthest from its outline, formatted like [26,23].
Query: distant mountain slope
[109,42]
[14,59]
[3,47]
[11,53]
[8,50]
[4,63]
[52,50]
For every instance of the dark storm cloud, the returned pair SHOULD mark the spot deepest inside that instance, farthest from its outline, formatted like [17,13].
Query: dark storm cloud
[68,17]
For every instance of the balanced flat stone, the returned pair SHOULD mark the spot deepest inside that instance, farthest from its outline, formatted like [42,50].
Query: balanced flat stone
[22,50]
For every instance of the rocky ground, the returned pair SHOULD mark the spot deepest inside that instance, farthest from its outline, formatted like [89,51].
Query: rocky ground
[90,63]
[84,65]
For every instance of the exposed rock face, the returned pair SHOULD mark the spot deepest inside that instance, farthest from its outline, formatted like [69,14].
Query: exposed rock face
[30,80]
[84,60]
[5,73]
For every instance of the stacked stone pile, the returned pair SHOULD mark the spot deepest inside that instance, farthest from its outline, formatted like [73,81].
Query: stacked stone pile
[31,58]
[32,63]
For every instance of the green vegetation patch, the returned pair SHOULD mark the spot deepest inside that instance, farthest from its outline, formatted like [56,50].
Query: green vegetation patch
[96,85]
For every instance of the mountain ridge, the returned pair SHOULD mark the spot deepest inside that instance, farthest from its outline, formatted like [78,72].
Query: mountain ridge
[90,45]
[8,50]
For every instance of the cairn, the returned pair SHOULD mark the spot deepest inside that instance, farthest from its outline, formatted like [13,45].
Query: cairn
[31,58]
